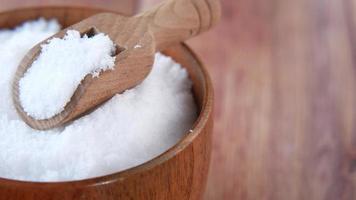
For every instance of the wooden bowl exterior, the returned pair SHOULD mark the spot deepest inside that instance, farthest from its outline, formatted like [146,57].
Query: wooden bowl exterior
[179,173]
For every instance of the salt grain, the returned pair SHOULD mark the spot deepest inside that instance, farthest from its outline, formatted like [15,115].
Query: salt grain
[128,130]
[137,46]
[50,82]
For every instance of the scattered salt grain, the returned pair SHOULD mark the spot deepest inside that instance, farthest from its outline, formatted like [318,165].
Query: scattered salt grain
[52,79]
[126,131]
[137,46]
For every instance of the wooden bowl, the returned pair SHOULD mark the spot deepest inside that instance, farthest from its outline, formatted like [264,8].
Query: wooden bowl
[179,173]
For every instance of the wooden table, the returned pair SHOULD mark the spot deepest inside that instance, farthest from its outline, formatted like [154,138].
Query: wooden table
[285,89]
[285,96]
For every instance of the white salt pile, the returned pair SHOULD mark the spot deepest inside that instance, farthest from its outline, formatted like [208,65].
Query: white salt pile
[50,82]
[128,130]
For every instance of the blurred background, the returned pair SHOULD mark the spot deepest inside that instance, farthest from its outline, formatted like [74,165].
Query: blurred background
[284,77]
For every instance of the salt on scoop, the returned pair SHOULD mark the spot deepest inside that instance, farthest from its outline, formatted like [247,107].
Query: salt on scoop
[128,130]
[51,80]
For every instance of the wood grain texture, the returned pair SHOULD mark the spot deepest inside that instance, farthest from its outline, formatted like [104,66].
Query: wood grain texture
[179,173]
[284,79]
[175,21]
[168,23]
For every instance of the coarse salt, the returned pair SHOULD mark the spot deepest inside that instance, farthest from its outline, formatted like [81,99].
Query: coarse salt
[137,46]
[126,131]
[51,80]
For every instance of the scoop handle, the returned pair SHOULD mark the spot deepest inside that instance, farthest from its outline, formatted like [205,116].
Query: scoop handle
[174,21]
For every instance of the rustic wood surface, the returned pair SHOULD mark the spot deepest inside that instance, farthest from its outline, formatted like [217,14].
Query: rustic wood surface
[284,78]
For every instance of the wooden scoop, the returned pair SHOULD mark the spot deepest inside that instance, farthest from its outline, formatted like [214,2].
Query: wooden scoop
[137,39]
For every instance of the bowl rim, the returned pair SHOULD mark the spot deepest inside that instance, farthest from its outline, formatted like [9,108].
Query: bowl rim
[202,119]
